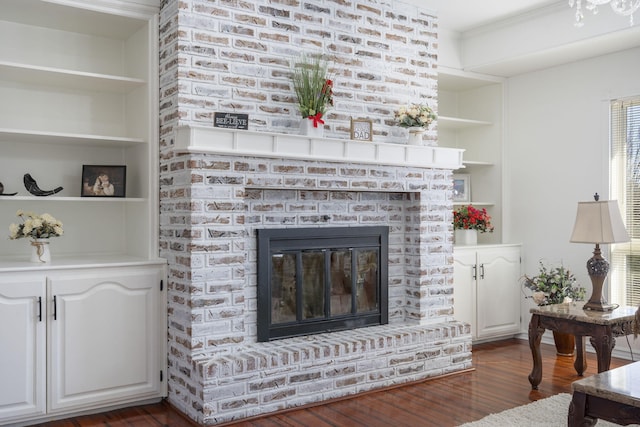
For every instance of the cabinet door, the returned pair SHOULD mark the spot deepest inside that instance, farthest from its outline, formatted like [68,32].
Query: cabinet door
[104,337]
[22,348]
[464,286]
[498,292]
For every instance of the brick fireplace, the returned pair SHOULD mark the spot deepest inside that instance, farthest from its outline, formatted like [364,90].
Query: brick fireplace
[218,187]
[220,196]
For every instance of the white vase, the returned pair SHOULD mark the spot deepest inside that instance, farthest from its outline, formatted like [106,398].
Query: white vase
[307,128]
[415,135]
[40,252]
[465,237]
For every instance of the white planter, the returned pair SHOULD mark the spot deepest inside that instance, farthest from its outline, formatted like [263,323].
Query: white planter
[415,135]
[40,252]
[307,128]
[465,237]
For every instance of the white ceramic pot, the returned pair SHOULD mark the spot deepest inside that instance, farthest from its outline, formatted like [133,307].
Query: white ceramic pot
[465,237]
[307,128]
[415,135]
[40,252]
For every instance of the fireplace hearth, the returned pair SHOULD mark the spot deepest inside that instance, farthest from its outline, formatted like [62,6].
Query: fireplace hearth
[313,280]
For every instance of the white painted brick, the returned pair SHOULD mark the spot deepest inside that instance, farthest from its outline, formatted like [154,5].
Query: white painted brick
[222,60]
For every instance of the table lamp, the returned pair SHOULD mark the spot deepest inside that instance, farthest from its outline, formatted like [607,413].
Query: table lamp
[598,222]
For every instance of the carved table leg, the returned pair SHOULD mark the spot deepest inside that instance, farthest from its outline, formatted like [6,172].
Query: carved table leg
[535,335]
[581,362]
[577,408]
[603,343]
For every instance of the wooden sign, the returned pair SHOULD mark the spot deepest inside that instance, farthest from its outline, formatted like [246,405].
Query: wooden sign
[362,129]
[231,121]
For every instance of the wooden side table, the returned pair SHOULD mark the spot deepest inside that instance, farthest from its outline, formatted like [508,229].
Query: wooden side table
[570,318]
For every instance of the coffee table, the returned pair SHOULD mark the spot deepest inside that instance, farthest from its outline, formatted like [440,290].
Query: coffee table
[611,395]
[570,318]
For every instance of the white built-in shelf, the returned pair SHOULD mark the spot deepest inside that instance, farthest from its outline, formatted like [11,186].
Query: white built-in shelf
[20,135]
[458,80]
[446,122]
[85,261]
[49,199]
[477,163]
[67,79]
[473,203]
[90,20]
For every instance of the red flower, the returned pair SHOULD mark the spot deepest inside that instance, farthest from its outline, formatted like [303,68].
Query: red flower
[470,218]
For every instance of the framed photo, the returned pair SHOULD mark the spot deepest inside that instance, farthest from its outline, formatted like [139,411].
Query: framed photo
[104,181]
[362,129]
[462,188]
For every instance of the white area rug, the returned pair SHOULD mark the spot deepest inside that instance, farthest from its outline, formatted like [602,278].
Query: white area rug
[549,412]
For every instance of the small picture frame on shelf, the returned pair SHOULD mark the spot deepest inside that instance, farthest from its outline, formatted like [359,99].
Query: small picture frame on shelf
[361,129]
[462,188]
[104,181]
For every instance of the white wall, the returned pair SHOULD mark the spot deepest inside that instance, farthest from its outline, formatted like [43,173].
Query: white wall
[557,154]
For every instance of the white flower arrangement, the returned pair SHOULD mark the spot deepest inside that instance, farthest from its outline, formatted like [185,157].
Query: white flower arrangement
[415,115]
[35,226]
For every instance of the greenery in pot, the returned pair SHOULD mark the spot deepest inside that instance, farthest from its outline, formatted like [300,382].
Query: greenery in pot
[313,87]
[554,285]
[470,218]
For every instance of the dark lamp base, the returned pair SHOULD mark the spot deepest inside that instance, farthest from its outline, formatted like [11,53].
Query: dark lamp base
[598,306]
[598,267]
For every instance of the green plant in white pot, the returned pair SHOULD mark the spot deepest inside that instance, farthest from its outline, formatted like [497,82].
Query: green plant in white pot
[556,285]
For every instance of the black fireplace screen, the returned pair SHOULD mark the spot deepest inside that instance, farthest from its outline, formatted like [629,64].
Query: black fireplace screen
[313,280]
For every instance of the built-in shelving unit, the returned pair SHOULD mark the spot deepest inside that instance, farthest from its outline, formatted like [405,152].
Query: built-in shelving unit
[79,87]
[78,81]
[470,117]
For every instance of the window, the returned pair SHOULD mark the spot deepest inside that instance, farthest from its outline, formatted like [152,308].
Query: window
[625,187]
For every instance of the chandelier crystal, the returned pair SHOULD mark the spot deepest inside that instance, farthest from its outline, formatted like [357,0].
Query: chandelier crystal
[621,7]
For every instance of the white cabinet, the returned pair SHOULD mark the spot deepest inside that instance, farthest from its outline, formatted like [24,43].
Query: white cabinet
[23,315]
[104,340]
[85,339]
[487,289]
[470,116]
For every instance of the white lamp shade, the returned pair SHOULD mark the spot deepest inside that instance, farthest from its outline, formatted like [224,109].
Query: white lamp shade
[599,222]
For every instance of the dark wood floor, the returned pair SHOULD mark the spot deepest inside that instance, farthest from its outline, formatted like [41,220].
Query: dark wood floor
[498,382]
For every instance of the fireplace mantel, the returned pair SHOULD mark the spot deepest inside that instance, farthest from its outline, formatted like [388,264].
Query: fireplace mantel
[200,139]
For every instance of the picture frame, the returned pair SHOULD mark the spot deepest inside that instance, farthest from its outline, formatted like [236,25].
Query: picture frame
[462,188]
[362,129]
[104,181]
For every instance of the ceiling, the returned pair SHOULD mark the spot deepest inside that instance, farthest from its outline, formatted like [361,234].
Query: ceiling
[464,15]
[510,37]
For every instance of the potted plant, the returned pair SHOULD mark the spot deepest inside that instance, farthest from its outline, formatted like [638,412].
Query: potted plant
[416,117]
[314,90]
[556,285]
[38,228]
[468,221]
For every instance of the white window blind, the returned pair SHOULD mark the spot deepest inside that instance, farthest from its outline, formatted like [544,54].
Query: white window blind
[625,187]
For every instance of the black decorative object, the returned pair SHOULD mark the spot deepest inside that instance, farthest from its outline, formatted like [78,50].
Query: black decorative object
[2,193]
[32,187]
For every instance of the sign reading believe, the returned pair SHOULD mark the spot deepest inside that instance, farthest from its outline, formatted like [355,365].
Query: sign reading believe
[231,121]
